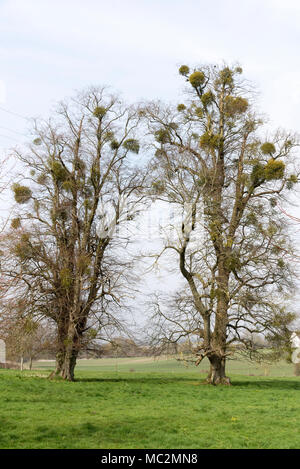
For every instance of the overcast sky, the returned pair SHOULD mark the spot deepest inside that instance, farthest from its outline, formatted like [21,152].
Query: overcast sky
[50,48]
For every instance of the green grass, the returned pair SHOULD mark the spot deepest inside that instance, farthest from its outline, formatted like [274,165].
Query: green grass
[167,409]
[170,365]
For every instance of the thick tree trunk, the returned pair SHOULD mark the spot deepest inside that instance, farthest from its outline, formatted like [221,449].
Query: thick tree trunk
[218,344]
[73,342]
[65,363]
[68,346]
[217,374]
[67,371]
[60,358]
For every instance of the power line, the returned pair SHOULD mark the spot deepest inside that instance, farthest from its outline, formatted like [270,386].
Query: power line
[12,130]
[14,113]
[7,136]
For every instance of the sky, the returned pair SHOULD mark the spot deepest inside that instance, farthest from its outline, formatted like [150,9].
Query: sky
[51,48]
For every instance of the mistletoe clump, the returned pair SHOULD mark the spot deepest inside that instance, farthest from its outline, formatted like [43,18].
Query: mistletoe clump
[207,98]
[66,278]
[267,148]
[99,112]
[42,179]
[162,136]
[181,107]
[23,249]
[132,145]
[258,174]
[68,185]
[22,194]
[209,141]
[59,172]
[293,178]
[184,70]
[15,223]
[233,262]
[197,79]
[114,144]
[199,112]
[291,181]
[274,169]
[236,105]
[226,76]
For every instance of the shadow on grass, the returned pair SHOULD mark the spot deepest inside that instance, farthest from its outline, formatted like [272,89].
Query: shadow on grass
[127,431]
[276,384]
[134,379]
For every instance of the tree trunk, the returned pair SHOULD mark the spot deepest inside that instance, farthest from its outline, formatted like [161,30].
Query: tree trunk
[60,358]
[62,331]
[72,348]
[67,371]
[30,363]
[217,373]
[297,369]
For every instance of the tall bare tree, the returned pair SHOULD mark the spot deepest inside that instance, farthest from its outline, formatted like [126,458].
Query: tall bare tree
[213,163]
[67,252]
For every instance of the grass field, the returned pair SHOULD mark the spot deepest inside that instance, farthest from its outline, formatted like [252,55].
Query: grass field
[170,365]
[161,404]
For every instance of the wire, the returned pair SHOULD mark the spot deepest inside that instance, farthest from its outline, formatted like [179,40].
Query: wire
[11,130]
[14,113]
[288,215]
[7,136]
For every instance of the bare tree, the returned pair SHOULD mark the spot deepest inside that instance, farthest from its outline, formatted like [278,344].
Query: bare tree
[68,251]
[213,164]
[25,338]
